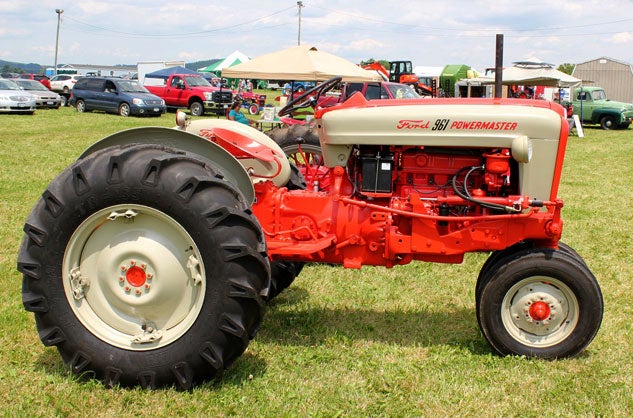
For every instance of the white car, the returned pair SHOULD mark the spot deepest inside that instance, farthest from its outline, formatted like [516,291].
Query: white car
[63,83]
[15,100]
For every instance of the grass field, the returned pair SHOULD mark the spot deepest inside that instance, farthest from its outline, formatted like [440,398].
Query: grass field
[369,342]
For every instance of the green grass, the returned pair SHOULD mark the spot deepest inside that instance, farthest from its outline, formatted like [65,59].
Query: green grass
[370,342]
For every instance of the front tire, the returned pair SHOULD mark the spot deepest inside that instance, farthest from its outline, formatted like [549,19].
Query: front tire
[196,108]
[607,123]
[124,110]
[80,106]
[144,267]
[540,303]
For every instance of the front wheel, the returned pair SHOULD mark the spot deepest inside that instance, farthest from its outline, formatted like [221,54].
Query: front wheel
[80,106]
[196,109]
[541,303]
[124,109]
[144,267]
[607,122]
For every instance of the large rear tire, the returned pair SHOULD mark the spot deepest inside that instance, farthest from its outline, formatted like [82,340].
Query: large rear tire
[144,267]
[539,303]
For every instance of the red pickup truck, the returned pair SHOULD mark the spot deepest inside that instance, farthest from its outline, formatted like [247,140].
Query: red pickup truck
[194,92]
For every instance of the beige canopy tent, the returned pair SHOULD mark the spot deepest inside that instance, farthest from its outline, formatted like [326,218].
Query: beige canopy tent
[300,63]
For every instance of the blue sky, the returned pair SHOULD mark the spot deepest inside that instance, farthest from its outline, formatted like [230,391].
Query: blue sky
[429,33]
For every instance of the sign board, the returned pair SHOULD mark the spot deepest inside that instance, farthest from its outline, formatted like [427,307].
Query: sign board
[578,126]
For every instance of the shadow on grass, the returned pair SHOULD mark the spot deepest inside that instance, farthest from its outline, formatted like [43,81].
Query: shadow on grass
[446,325]
[247,367]
[287,324]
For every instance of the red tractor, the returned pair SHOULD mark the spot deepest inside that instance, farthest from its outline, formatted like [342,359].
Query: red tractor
[149,261]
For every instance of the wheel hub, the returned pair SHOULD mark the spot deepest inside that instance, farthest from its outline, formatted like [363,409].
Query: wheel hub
[135,277]
[539,311]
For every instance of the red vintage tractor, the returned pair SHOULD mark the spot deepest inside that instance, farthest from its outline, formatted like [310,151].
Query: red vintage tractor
[150,259]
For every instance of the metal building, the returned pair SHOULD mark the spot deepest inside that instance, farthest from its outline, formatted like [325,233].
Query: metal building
[615,77]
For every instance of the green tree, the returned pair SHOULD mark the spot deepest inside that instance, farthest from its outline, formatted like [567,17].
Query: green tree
[566,68]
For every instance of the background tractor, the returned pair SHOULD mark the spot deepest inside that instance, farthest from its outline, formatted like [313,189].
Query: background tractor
[149,260]
[401,72]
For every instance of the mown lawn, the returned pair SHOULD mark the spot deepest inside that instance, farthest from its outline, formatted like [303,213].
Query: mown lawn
[369,342]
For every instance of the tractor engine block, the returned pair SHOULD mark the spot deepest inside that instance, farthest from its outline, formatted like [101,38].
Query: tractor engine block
[391,205]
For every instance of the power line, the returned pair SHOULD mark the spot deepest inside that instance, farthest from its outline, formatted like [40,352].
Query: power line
[179,35]
[470,28]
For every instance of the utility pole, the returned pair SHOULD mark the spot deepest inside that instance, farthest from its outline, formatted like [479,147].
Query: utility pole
[300,5]
[59,19]
[499,66]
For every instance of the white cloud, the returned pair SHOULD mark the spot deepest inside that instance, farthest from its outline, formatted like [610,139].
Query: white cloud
[622,38]
[439,33]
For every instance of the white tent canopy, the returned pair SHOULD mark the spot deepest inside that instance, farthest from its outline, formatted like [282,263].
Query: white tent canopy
[299,63]
[537,74]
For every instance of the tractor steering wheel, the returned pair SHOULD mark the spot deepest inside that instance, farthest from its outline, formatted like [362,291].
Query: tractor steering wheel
[309,97]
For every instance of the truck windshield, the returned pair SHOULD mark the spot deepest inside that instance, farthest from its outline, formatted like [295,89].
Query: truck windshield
[599,95]
[197,81]
[402,91]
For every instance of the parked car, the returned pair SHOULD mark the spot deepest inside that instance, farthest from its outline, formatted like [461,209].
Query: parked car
[63,84]
[381,90]
[44,97]
[39,77]
[15,100]
[115,95]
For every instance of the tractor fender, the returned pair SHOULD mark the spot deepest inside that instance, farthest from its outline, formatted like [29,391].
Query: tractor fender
[260,155]
[204,149]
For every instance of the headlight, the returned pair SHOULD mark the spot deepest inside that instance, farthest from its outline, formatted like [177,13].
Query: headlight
[522,149]
[138,102]
[208,96]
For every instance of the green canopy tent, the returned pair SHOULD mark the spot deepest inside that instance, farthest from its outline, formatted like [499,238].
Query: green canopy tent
[216,67]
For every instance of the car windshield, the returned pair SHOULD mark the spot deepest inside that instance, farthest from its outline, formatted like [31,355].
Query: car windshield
[403,91]
[31,85]
[131,87]
[599,95]
[197,81]
[8,85]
